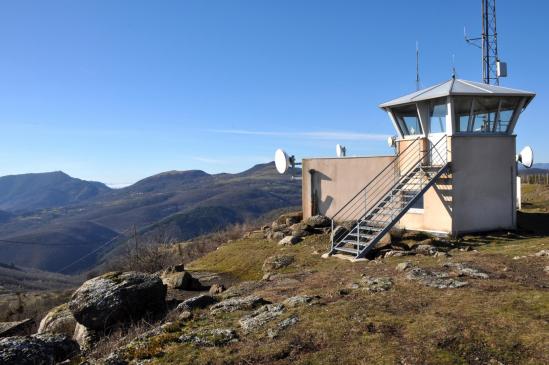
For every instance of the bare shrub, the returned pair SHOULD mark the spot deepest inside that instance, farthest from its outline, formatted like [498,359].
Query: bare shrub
[119,338]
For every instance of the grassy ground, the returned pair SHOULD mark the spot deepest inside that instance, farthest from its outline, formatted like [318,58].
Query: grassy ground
[500,320]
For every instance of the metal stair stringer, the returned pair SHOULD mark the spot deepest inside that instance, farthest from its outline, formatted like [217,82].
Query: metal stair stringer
[375,240]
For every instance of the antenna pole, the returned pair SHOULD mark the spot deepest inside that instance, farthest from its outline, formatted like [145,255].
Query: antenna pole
[417,67]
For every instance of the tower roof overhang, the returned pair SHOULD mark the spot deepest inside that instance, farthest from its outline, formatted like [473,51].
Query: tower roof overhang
[458,87]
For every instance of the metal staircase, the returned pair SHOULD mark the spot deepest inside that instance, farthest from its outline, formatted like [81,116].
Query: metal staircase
[361,223]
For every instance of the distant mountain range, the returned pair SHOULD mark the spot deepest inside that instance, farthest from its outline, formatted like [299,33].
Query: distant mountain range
[537,168]
[49,220]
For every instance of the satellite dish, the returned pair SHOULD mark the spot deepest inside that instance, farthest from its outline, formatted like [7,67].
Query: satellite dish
[391,141]
[526,157]
[341,151]
[282,161]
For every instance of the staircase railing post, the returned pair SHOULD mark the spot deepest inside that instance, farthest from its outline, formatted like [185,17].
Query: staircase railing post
[332,223]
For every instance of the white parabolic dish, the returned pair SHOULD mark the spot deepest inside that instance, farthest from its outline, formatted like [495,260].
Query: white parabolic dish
[282,161]
[340,150]
[526,156]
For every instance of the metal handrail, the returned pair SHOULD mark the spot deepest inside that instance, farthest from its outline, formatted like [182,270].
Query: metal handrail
[375,177]
[378,184]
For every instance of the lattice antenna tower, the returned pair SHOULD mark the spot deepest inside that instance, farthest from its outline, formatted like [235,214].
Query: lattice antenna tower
[492,67]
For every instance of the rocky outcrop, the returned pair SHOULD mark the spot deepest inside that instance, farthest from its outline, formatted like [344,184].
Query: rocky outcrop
[277,262]
[59,320]
[377,284]
[282,325]
[43,349]
[438,280]
[117,298]
[300,300]
[201,301]
[234,304]
[16,328]
[465,270]
[216,289]
[260,317]
[210,337]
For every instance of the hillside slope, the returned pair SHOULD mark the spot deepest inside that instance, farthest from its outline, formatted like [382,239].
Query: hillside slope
[183,203]
[22,193]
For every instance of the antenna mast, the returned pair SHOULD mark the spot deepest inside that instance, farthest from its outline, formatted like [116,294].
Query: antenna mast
[492,68]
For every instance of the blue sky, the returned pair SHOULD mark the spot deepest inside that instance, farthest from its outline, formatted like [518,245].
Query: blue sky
[118,90]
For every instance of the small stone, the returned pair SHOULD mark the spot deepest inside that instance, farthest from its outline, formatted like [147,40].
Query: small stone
[546,269]
[289,240]
[403,266]
[277,236]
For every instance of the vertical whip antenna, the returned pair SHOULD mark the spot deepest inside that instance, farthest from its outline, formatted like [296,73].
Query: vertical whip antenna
[417,67]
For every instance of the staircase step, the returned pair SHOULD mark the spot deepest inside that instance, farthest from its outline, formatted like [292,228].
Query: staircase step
[347,250]
[355,243]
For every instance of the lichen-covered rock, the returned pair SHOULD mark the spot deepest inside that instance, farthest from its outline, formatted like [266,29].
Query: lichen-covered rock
[59,320]
[201,301]
[434,279]
[234,304]
[116,298]
[289,240]
[277,262]
[299,300]
[290,321]
[318,221]
[43,349]
[260,317]
[210,337]
[241,289]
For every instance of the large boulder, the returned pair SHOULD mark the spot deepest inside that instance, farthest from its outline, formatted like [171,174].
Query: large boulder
[201,301]
[59,320]
[43,349]
[318,221]
[117,298]
[85,337]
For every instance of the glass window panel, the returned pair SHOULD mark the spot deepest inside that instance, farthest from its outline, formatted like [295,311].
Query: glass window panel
[437,116]
[462,111]
[484,116]
[408,119]
[506,112]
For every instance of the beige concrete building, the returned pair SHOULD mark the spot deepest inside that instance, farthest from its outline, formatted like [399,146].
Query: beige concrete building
[454,170]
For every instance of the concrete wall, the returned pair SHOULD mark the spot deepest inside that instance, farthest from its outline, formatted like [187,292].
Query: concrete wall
[335,181]
[484,179]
